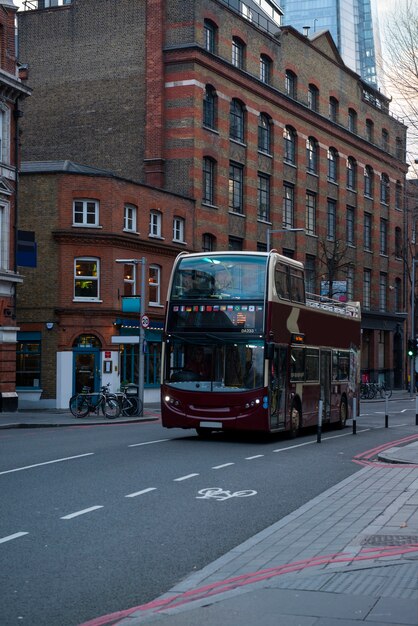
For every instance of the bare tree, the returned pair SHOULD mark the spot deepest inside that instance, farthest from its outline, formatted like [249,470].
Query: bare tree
[401,61]
[333,257]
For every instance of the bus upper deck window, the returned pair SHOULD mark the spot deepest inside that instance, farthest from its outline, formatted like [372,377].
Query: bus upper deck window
[297,285]
[281,282]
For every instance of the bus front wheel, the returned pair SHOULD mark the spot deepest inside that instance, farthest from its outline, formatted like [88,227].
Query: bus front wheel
[295,420]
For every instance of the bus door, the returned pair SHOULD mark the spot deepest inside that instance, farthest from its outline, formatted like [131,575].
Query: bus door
[277,387]
[325,380]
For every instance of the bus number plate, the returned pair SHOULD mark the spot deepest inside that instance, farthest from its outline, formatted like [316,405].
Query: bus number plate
[210,424]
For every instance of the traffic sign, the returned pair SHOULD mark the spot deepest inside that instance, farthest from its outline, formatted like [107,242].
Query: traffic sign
[145,321]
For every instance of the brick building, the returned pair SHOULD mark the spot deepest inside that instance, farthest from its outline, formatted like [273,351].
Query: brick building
[265,129]
[12,92]
[73,303]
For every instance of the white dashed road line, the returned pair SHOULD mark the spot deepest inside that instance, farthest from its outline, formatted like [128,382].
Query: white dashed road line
[83,512]
[256,456]
[139,493]
[185,477]
[11,537]
[67,458]
[147,443]
[223,465]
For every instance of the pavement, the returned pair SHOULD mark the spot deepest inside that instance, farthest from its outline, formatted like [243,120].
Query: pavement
[349,557]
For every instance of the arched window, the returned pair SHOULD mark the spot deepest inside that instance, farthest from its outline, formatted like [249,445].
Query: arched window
[264,133]
[398,195]
[384,189]
[332,165]
[352,120]
[385,139]
[266,65]
[210,34]
[290,84]
[236,121]
[290,138]
[369,130]
[313,97]
[209,107]
[238,52]
[398,242]
[351,173]
[312,155]
[333,109]
[368,181]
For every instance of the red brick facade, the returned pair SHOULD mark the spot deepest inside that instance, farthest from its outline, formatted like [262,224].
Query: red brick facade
[154,70]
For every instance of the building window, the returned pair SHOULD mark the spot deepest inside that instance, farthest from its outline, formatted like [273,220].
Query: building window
[384,189]
[313,97]
[265,69]
[398,196]
[209,108]
[367,231]
[264,133]
[238,48]
[312,155]
[263,198]
[290,137]
[310,221]
[383,289]
[333,109]
[236,176]
[367,282]
[235,243]
[178,230]
[290,84]
[332,165]
[154,278]
[369,131]
[4,134]
[310,274]
[351,174]
[86,278]
[384,237]
[28,360]
[331,220]
[4,236]
[129,218]
[398,295]
[236,121]
[352,120]
[350,282]
[208,190]
[208,242]
[85,213]
[155,224]
[385,139]
[400,153]
[288,205]
[129,279]
[210,31]
[350,231]
[398,242]
[368,181]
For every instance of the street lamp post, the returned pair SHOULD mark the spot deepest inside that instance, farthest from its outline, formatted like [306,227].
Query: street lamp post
[412,369]
[141,357]
[281,230]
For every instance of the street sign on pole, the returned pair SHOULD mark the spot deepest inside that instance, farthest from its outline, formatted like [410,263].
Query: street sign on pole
[145,321]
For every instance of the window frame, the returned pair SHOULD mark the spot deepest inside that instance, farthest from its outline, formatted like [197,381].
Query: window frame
[210,108]
[266,65]
[290,145]
[208,180]
[313,97]
[288,205]
[237,53]
[236,188]
[264,134]
[210,31]
[95,279]
[237,121]
[312,156]
[310,212]
[155,224]
[85,212]
[263,197]
[179,229]
[332,161]
[154,284]
[130,221]
[290,84]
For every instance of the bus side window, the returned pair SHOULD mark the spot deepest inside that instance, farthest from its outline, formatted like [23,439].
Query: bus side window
[281,282]
[297,364]
[297,285]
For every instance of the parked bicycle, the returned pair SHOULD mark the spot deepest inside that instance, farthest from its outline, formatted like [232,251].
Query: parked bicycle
[81,404]
[130,404]
[368,391]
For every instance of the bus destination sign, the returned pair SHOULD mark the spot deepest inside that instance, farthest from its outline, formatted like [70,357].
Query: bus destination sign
[245,318]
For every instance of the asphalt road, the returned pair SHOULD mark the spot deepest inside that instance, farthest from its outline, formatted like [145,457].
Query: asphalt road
[113,516]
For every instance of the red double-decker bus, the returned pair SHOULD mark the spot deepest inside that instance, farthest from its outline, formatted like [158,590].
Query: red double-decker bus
[246,349]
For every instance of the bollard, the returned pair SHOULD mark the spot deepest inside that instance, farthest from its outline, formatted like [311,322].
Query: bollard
[354,416]
[386,412]
[416,410]
[319,433]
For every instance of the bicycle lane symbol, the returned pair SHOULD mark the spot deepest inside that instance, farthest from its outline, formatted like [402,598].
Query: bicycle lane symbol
[217,493]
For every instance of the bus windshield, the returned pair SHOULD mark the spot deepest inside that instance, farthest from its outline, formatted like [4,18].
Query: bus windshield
[210,365]
[222,277]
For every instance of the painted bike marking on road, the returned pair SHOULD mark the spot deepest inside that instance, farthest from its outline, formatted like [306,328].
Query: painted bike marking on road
[67,458]
[147,443]
[11,537]
[217,493]
[185,477]
[222,466]
[139,493]
[83,512]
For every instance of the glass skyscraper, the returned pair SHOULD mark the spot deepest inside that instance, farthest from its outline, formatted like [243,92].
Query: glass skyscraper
[351,23]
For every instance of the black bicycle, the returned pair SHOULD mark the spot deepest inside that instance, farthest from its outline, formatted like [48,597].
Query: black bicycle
[81,404]
[130,404]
